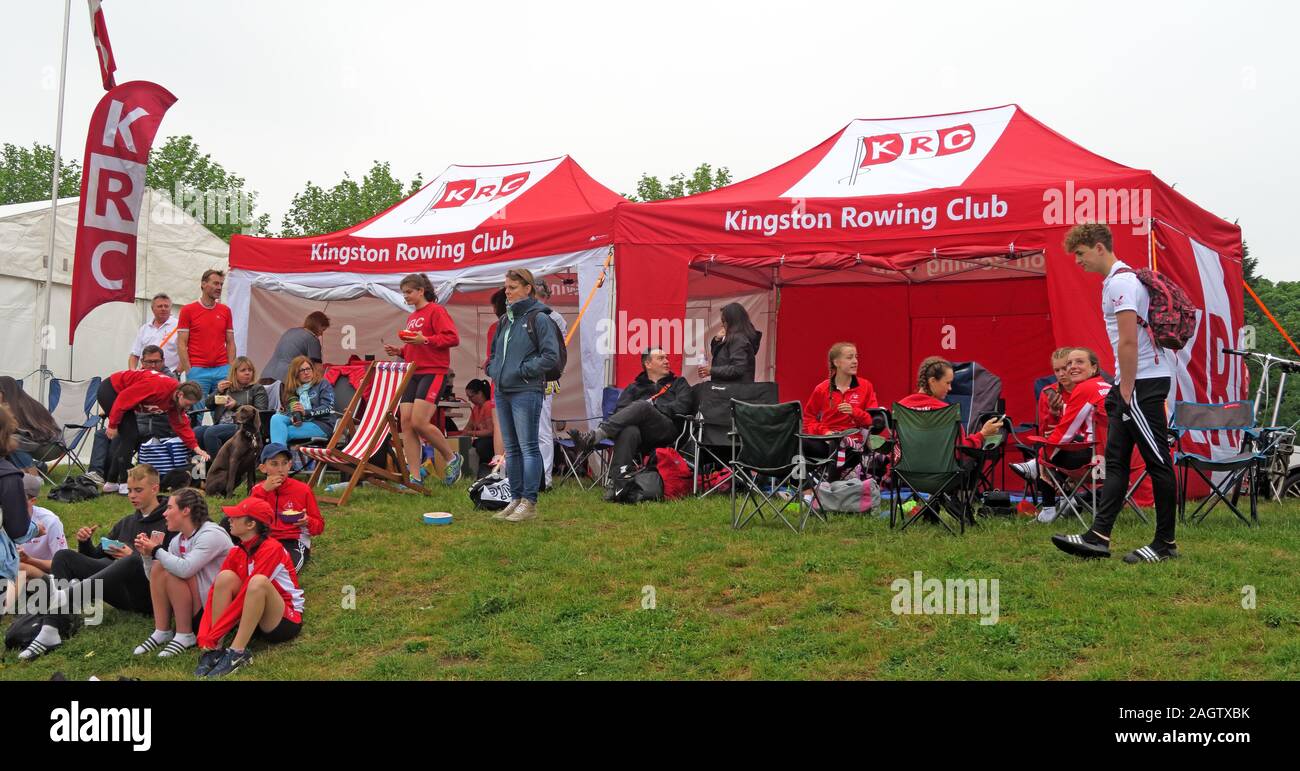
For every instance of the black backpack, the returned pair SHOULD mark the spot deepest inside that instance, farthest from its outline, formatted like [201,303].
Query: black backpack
[75,490]
[530,321]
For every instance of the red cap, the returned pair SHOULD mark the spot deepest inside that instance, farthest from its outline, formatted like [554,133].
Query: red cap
[256,508]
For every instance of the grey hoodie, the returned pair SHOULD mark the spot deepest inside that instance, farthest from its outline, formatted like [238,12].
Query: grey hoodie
[204,553]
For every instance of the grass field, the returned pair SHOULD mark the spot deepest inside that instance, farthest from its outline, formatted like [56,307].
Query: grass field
[562,598]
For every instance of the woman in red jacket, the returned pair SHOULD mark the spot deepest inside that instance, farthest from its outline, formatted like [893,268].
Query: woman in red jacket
[933,382]
[124,394]
[838,404]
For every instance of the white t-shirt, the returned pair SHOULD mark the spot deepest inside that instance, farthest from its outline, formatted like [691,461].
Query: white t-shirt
[1124,292]
[43,548]
[152,335]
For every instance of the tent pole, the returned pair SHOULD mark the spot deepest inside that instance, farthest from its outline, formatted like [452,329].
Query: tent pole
[54,213]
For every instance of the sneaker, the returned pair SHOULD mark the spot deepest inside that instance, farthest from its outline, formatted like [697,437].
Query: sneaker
[208,660]
[508,510]
[1076,545]
[95,477]
[1028,469]
[1048,514]
[525,511]
[453,469]
[1151,554]
[111,487]
[231,661]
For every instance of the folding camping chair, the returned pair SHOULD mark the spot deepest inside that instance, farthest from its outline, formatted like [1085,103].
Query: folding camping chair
[577,463]
[706,437]
[768,442]
[382,389]
[1075,486]
[1236,469]
[927,464]
[72,403]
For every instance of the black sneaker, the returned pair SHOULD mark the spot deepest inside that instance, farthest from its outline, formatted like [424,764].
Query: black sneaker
[231,661]
[208,660]
[1151,554]
[1080,547]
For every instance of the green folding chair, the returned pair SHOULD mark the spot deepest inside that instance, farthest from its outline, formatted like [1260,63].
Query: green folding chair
[927,464]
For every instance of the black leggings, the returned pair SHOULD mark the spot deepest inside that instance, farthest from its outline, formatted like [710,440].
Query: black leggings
[483,445]
[1071,459]
[816,449]
[123,445]
[123,583]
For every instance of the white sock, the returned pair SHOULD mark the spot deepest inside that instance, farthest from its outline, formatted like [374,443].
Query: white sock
[161,635]
[188,640]
[48,636]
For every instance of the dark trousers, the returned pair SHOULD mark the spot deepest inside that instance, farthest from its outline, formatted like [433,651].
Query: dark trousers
[636,429]
[1070,459]
[1142,424]
[123,582]
[483,447]
[123,445]
[816,449]
[212,437]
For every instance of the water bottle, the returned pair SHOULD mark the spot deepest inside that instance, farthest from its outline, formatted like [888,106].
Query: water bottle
[336,487]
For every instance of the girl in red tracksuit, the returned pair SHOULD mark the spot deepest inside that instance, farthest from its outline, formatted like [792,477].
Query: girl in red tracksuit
[256,591]
[838,404]
[289,498]
[933,382]
[125,393]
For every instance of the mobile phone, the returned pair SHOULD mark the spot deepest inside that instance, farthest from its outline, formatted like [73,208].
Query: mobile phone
[107,543]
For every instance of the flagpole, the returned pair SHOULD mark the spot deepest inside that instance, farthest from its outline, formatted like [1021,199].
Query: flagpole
[45,336]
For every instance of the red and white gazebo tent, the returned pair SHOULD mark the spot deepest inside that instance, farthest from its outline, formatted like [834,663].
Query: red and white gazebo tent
[464,230]
[936,235]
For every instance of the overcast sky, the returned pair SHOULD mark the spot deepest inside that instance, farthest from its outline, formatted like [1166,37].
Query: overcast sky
[1204,94]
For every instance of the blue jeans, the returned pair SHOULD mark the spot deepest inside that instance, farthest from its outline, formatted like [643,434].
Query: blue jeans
[208,377]
[211,438]
[283,429]
[519,414]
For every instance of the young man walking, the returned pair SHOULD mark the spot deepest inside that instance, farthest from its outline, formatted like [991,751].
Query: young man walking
[1136,407]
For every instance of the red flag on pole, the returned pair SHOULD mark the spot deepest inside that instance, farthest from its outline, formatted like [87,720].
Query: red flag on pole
[122,130]
[103,50]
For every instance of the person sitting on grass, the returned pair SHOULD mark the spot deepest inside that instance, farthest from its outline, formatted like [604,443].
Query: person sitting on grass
[256,593]
[36,554]
[480,425]
[117,567]
[645,418]
[181,575]
[297,516]
[17,516]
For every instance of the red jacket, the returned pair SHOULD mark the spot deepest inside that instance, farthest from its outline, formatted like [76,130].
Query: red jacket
[147,391]
[1084,418]
[434,357]
[821,414]
[926,402]
[259,557]
[298,493]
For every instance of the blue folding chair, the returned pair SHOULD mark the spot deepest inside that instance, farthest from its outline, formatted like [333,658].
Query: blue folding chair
[72,403]
[1241,467]
[575,463]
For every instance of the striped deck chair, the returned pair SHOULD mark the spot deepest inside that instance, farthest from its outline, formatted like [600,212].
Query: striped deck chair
[381,387]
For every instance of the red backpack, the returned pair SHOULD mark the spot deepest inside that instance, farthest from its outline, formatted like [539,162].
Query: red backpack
[1171,315]
[675,472]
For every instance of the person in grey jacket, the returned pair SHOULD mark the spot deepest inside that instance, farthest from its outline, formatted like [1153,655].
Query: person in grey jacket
[242,388]
[526,346]
[299,341]
[181,573]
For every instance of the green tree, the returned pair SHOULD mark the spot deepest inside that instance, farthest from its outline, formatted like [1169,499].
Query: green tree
[704,178]
[204,189]
[317,210]
[25,174]
[1283,299]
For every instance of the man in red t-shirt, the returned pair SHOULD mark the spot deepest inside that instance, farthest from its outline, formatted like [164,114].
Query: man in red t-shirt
[206,335]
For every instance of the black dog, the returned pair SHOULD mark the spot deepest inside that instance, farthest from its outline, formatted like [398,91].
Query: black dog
[238,457]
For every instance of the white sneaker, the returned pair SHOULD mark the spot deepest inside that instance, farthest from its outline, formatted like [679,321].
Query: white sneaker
[1028,469]
[110,487]
[508,510]
[1048,514]
[525,511]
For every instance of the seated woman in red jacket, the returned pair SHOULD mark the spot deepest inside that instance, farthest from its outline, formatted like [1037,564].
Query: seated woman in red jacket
[257,591]
[838,404]
[933,382]
[124,394]
[1083,419]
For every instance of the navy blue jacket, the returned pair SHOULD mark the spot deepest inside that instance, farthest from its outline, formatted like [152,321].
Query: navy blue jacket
[518,366]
